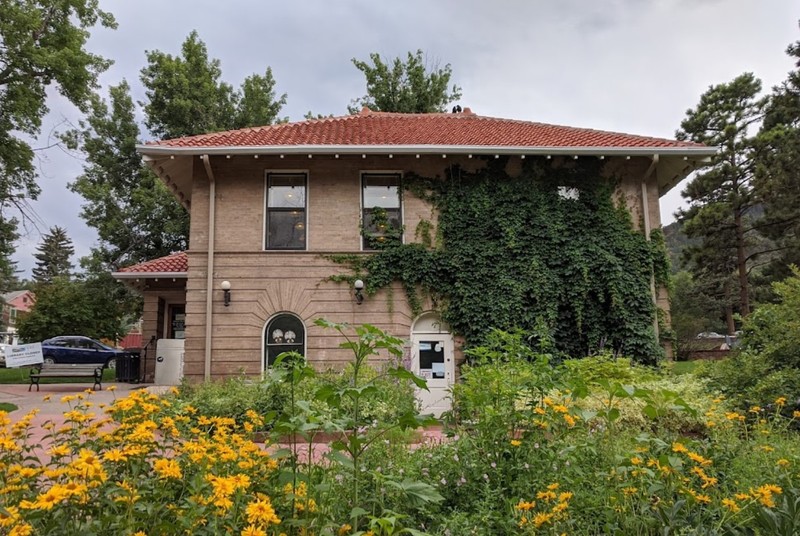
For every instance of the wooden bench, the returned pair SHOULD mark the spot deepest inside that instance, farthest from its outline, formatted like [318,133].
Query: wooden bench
[66,370]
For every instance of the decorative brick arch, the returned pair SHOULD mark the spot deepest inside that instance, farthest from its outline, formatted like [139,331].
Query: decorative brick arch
[286,296]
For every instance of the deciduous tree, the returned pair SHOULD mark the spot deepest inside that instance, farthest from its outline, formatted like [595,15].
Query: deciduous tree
[136,218]
[412,86]
[73,307]
[185,94]
[42,44]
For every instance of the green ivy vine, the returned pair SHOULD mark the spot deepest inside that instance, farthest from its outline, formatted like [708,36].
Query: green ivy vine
[511,253]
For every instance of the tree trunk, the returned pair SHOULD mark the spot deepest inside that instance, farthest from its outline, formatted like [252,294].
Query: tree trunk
[729,310]
[741,265]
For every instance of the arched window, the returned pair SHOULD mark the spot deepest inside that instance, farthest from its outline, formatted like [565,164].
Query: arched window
[284,333]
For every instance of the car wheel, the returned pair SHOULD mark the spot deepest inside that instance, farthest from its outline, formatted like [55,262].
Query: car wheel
[111,363]
[49,360]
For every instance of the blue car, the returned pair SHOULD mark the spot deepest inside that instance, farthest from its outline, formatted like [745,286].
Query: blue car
[76,349]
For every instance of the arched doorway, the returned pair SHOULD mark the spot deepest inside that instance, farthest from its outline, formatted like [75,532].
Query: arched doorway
[432,358]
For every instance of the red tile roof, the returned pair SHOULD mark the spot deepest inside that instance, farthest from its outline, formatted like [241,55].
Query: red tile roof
[440,129]
[175,263]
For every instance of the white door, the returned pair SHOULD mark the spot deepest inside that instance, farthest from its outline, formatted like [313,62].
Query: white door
[169,361]
[433,360]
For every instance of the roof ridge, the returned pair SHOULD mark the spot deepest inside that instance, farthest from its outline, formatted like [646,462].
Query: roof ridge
[439,128]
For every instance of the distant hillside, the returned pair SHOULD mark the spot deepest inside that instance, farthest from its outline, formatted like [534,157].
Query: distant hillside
[676,242]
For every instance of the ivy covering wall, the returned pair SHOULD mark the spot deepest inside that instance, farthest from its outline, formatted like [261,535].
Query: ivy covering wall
[509,252]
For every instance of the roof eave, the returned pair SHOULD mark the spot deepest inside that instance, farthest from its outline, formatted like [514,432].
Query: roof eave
[149,275]
[159,150]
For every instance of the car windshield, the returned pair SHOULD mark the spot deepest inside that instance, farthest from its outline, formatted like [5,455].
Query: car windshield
[104,346]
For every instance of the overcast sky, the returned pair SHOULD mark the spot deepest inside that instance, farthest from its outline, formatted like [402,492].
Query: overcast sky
[631,66]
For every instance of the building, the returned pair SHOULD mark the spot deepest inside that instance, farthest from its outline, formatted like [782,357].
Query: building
[14,303]
[269,204]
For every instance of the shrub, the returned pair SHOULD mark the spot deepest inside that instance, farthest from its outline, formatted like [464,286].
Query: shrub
[607,367]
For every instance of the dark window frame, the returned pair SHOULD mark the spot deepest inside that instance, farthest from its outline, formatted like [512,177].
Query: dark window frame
[366,211]
[277,321]
[285,210]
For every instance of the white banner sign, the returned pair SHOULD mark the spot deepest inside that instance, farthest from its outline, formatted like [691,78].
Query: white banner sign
[24,354]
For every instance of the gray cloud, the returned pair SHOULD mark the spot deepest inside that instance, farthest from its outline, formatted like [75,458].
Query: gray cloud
[624,65]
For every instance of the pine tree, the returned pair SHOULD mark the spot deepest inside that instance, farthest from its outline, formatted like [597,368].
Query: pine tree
[721,195]
[778,172]
[53,257]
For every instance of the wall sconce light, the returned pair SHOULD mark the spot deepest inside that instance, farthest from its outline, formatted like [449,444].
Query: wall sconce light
[358,286]
[226,289]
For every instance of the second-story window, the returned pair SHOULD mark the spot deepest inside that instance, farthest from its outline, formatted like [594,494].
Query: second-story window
[381,218]
[286,211]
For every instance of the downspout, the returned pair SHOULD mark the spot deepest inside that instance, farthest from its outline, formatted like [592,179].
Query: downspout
[646,220]
[212,201]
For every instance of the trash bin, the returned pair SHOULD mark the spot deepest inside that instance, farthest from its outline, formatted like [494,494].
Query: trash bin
[128,365]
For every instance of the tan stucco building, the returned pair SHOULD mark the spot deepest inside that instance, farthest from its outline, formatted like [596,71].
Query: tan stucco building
[268,204]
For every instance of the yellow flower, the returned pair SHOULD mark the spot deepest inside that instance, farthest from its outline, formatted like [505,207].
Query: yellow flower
[569,419]
[260,511]
[50,498]
[111,388]
[780,401]
[698,458]
[796,414]
[755,409]
[344,529]
[253,530]
[742,497]
[9,516]
[679,447]
[22,529]
[560,409]
[546,495]
[636,460]
[782,462]
[541,518]
[731,505]
[554,486]
[167,468]
[630,490]
[525,506]
[516,442]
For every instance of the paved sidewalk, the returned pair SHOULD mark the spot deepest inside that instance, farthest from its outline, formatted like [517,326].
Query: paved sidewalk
[51,408]
[19,395]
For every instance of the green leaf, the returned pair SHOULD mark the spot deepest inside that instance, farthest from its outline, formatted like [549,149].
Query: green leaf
[417,492]
[340,458]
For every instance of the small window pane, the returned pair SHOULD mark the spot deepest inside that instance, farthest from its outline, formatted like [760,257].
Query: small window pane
[287,191]
[286,229]
[381,191]
[431,359]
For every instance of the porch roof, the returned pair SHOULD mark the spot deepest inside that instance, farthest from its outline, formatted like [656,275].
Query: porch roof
[175,266]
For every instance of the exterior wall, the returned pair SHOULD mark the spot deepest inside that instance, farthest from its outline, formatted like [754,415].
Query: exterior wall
[157,295]
[264,283]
